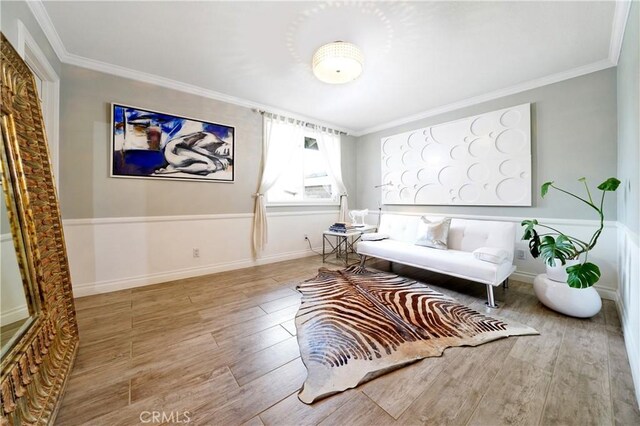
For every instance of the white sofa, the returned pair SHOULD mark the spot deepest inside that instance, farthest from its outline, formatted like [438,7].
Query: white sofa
[458,260]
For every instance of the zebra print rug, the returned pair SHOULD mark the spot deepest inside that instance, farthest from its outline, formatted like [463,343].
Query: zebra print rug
[354,325]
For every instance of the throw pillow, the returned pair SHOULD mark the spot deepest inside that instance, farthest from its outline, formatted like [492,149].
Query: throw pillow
[433,234]
[373,236]
[491,254]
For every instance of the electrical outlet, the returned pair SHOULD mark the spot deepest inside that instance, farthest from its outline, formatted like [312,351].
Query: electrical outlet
[196,253]
[306,237]
[520,254]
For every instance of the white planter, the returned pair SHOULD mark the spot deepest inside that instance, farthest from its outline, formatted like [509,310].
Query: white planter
[559,272]
[575,302]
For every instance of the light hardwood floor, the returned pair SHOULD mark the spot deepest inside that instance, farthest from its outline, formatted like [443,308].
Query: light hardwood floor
[221,349]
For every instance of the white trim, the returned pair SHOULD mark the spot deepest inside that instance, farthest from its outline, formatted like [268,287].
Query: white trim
[630,329]
[41,15]
[302,204]
[517,219]
[168,83]
[14,314]
[89,289]
[178,218]
[500,93]
[49,30]
[29,50]
[631,346]
[620,18]
[635,238]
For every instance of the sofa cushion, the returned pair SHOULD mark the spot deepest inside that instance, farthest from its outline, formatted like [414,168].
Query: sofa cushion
[491,254]
[373,236]
[451,262]
[399,227]
[433,234]
[464,234]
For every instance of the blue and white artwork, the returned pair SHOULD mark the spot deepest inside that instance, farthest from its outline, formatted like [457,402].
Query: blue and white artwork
[149,144]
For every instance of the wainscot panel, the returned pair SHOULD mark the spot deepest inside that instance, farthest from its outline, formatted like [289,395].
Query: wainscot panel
[112,254]
[629,298]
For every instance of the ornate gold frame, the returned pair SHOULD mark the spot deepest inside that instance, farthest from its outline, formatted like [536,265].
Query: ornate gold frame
[34,371]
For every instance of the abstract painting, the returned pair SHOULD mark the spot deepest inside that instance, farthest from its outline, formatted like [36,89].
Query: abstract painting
[147,144]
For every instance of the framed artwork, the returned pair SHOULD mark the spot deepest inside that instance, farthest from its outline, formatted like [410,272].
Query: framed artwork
[155,145]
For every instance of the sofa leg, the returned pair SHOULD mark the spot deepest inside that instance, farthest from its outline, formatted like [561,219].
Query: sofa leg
[505,284]
[491,303]
[363,259]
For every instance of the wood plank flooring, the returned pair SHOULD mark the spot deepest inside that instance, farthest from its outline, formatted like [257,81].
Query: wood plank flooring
[221,350]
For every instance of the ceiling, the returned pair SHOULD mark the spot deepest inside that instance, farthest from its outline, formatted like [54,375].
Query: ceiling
[420,57]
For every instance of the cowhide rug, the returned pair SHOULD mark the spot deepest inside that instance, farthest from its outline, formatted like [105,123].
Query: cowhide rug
[354,325]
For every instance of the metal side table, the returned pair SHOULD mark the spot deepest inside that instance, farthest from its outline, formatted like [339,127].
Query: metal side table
[341,244]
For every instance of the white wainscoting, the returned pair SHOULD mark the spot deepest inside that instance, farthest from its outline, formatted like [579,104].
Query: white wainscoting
[604,254]
[117,253]
[629,298]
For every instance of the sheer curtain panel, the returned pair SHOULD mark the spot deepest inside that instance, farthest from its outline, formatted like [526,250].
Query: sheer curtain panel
[279,137]
[329,146]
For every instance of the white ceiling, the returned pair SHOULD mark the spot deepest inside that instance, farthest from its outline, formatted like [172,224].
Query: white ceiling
[420,56]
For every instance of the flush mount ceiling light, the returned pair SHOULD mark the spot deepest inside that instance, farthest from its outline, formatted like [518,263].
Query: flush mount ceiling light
[338,62]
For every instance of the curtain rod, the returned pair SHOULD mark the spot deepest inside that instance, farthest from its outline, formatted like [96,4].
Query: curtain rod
[306,123]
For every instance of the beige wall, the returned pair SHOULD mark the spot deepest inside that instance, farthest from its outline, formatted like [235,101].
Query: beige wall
[573,135]
[87,191]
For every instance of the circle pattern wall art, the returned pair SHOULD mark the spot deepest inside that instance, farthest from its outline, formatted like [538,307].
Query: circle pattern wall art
[482,160]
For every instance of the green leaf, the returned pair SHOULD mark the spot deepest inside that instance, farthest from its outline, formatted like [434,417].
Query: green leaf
[545,188]
[583,275]
[534,245]
[529,231]
[610,184]
[559,248]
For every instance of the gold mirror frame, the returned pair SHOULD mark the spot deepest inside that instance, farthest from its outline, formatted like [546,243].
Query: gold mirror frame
[35,369]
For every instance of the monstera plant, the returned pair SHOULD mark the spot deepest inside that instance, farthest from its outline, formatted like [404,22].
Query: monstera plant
[553,245]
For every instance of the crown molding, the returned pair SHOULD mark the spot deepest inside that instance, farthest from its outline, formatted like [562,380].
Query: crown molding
[49,30]
[168,83]
[43,19]
[518,88]
[621,14]
[620,18]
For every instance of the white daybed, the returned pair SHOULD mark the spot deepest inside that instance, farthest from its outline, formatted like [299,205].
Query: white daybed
[458,260]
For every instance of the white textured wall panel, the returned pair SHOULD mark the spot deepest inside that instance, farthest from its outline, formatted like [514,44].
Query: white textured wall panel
[482,160]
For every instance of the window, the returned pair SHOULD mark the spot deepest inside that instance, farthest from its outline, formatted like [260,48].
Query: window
[306,179]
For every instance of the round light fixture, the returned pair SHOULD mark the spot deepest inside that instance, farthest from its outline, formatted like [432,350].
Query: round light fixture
[338,62]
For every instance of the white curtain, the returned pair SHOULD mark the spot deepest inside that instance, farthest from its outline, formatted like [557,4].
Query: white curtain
[329,146]
[278,142]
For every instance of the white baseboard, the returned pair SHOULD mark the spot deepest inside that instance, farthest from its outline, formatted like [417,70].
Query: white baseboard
[90,289]
[118,253]
[14,314]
